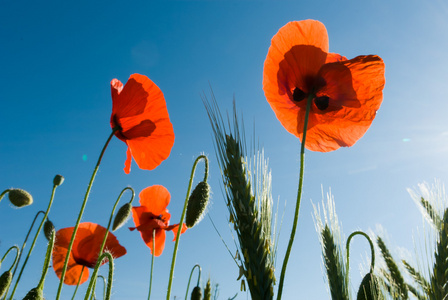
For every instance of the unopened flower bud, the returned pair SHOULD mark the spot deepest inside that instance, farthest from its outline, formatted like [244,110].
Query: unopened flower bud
[122,216]
[34,294]
[20,198]
[197,204]
[58,180]
[196,294]
[369,288]
[5,281]
[48,229]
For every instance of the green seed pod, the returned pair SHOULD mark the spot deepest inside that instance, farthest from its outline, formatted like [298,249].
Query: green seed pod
[208,290]
[35,294]
[58,180]
[196,294]
[20,198]
[5,281]
[122,216]
[369,288]
[48,229]
[197,204]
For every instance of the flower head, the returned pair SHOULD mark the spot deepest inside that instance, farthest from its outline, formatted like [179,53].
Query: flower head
[85,251]
[141,118]
[345,93]
[152,215]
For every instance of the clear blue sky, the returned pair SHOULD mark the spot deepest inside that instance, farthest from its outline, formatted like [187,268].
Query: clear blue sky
[57,60]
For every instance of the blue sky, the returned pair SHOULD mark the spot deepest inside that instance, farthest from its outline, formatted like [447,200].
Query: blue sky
[57,61]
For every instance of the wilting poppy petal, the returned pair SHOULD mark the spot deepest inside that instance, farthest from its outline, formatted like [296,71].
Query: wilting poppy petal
[345,93]
[140,114]
[85,250]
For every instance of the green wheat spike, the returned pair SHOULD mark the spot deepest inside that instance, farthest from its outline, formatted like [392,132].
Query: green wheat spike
[418,278]
[432,213]
[439,278]
[395,277]
[248,191]
[334,266]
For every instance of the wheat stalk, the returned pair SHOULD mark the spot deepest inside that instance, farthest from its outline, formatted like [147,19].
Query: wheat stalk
[247,188]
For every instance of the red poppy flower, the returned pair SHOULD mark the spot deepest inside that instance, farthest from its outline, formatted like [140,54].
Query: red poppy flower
[346,93]
[139,111]
[85,250]
[153,215]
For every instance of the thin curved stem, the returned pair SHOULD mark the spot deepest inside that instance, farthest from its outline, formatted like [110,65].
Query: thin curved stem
[23,247]
[189,279]
[95,273]
[15,259]
[173,262]
[47,260]
[79,281]
[104,285]
[34,241]
[299,196]
[372,251]
[75,229]
[110,220]
[3,194]
[152,261]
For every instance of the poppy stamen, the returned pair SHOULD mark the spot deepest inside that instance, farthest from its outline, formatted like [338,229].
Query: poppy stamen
[322,102]
[298,95]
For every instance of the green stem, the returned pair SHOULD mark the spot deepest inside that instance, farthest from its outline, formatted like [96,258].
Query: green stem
[95,273]
[75,229]
[110,221]
[23,247]
[47,261]
[15,259]
[152,261]
[3,194]
[189,279]
[173,262]
[79,281]
[372,251]
[104,285]
[34,241]
[299,196]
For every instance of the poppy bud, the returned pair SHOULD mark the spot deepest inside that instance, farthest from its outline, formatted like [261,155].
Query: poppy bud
[5,281]
[369,288]
[48,229]
[197,204]
[122,216]
[58,180]
[20,198]
[34,294]
[196,294]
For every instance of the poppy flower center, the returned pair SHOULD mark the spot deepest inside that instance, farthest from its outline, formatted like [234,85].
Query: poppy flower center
[83,262]
[321,102]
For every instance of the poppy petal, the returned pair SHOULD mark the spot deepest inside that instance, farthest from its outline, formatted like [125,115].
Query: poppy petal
[175,228]
[355,87]
[73,271]
[128,161]
[159,241]
[155,199]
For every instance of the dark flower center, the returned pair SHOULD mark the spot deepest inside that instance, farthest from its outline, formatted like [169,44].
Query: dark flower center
[298,95]
[321,102]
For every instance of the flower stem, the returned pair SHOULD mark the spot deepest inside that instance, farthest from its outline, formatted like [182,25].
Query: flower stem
[372,251]
[75,229]
[34,241]
[173,262]
[189,279]
[3,194]
[23,247]
[79,281]
[299,196]
[47,260]
[15,260]
[152,261]
[95,273]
